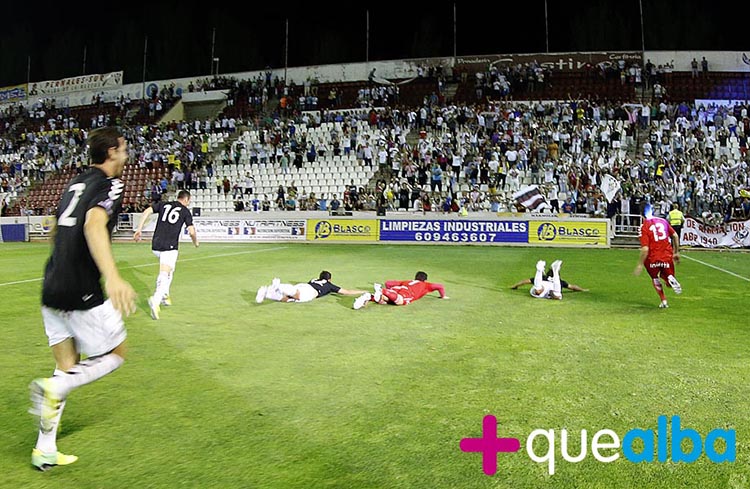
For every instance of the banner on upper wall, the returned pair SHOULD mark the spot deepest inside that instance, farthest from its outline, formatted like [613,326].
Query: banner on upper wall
[323,230]
[77,84]
[209,229]
[15,93]
[553,61]
[729,235]
[454,231]
[569,232]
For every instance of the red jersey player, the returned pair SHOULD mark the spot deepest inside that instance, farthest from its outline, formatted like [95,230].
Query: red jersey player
[401,292]
[660,250]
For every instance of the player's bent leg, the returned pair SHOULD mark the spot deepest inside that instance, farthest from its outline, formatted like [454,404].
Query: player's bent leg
[378,295]
[392,296]
[46,442]
[261,294]
[361,301]
[672,281]
[65,354]
[656,282]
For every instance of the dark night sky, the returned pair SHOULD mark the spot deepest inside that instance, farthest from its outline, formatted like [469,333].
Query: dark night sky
[179,33]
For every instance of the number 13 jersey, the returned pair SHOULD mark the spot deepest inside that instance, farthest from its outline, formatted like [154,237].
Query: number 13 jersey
[656,233]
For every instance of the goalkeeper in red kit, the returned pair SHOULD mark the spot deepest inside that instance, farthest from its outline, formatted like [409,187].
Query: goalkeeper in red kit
[401,292]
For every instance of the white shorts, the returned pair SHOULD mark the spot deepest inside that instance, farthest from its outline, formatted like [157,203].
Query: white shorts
[547,291]
[96,331]
[168,258]
[306,292]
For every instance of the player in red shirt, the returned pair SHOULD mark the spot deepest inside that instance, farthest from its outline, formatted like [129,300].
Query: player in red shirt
[660,250]
[401,292]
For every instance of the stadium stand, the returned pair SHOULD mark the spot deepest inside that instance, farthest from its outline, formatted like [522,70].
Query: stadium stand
[503,129]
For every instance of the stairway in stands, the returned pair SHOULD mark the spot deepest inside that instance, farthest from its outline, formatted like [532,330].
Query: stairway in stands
[449,92]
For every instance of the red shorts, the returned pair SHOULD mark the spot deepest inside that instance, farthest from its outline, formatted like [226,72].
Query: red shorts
[404,293]
[661,269]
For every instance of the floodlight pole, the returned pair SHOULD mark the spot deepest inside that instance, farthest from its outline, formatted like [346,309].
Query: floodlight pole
[213,47]
[454,32]
[643,33]
[546,26]
[367,38]
[286,51]
[145,52]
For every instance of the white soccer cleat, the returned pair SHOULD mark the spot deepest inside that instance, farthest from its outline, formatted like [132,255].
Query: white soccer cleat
[261,294]
[360,301]
[674,284]
[663,305]
[556,267]
[378,292]
[540,266]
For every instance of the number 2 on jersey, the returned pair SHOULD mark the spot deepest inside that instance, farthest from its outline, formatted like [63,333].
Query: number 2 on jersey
[65,219]
[171,215]
[659,232]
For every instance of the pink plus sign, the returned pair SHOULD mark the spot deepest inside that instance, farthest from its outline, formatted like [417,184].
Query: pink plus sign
[489,445]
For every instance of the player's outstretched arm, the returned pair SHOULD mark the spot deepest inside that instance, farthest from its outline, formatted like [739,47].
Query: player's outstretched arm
[576,288]
[522,282]
[99,242]
[351,292]
[440,289]
[193,235]
[144,217]
[641,260]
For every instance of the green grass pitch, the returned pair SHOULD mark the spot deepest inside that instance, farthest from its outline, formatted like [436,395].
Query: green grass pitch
[223,392]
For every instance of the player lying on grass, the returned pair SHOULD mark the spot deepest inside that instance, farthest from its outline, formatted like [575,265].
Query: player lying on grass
[400,292]
[548,276]
[550,287]
[302,292]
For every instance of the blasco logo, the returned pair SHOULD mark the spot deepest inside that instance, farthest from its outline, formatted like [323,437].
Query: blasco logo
[638,445]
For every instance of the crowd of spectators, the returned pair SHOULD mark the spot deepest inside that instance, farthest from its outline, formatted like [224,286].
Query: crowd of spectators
[466,158]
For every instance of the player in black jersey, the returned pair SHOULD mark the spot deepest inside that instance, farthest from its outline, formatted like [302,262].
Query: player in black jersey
[78,319]
[302,292]
[171,217]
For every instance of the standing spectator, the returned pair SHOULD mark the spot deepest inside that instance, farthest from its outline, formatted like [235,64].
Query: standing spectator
[694,67]
[704,66]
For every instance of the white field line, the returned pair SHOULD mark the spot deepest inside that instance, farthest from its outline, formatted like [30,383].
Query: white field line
[155,263]
[717,268]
